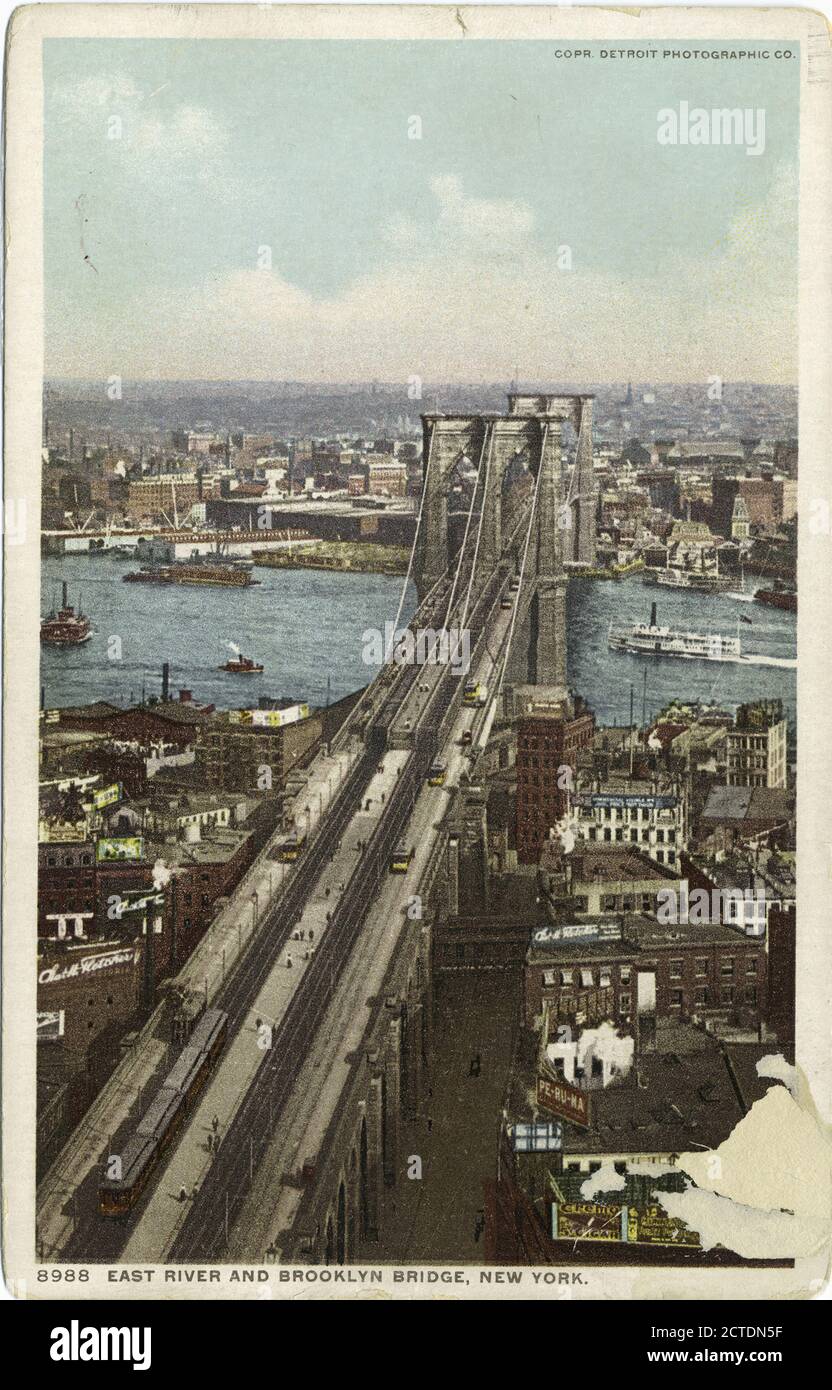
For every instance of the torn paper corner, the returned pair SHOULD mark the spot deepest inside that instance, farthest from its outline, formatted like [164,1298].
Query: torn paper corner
[766,1192]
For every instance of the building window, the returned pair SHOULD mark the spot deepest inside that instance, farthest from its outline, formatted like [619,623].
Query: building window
[675,999]
[700,996]
[702,965]
[605,979]
[460,952]
[751,965]
[587,979]
[625,974]
[751,994]
[624,1003]
[566,977]
[675,970]
[549,978]
[727,994]
[726,965]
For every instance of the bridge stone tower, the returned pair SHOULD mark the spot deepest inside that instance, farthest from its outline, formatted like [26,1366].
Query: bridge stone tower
[528,437]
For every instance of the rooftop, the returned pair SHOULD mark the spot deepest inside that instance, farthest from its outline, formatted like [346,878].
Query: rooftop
[683,1096]
[614,864]
[748,803]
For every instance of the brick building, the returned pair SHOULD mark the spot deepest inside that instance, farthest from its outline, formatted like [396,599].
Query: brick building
[163,493]
[756,747]
[234,755]
[545,746]
[693,972]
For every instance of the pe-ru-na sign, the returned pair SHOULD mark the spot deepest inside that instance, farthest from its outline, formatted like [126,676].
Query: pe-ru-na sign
[537,1138]
[577,931]
[559,1098]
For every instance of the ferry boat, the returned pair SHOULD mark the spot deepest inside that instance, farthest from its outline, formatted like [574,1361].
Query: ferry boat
[649,639]
[65,628]
[240,665]
[695,580]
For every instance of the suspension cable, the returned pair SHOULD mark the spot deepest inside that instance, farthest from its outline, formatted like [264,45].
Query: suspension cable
[523,563]
[488,457]
[395,627]
[474,492]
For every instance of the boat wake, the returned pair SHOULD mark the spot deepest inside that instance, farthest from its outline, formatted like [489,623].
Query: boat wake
[787,663]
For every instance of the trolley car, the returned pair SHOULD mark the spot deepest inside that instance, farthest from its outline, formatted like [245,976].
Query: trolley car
[400,860]
[290,848]
[127,1173]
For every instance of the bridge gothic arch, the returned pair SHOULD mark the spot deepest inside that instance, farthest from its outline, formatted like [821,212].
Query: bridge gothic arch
[561,522]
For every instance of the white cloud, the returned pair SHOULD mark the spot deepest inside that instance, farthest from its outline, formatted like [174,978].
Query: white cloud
[84,100]
[191,131]
[160,148]
[469,291]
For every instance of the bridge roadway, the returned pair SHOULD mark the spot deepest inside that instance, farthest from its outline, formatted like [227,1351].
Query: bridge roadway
[258,1013]
[232,972]
[311,1113]
[433,712]
[419,699]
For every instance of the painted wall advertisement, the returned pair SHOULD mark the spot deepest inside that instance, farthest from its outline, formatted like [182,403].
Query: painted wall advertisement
[649,1225]
[106,796]
[119,847]
[578,931]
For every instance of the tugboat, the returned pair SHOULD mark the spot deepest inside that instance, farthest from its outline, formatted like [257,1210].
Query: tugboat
[779,596]
[242,666]
[66,628]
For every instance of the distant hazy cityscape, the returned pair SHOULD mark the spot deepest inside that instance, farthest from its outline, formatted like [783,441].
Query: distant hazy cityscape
[646,409]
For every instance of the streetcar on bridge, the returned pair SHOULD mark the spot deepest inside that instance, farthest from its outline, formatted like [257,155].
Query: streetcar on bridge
[291,848]
[128,1172]
[400,860]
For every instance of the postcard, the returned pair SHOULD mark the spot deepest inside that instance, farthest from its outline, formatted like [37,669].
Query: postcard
[416,854]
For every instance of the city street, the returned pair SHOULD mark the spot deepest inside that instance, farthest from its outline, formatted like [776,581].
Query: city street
[457,1129]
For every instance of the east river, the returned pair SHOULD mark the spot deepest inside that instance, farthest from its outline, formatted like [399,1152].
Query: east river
[306,627]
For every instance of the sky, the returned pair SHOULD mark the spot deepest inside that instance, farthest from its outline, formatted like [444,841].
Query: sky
[234,209]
